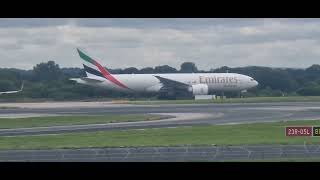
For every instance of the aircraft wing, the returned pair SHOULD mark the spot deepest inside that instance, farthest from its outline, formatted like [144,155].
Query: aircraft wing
[172,84]
[9,92]
[87,80]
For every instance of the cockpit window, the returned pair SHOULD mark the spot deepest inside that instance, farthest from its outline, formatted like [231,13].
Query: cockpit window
[251,79]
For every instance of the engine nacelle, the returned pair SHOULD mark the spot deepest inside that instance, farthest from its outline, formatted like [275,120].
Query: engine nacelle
[199,89]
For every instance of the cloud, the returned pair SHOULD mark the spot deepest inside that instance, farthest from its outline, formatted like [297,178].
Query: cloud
[120,43]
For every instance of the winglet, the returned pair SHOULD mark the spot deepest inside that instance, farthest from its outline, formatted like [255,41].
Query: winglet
[11,92]
[22,86]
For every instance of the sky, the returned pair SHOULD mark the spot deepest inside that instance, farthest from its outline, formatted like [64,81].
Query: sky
[136,42]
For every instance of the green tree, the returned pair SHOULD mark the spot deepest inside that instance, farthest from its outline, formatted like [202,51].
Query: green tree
[314,69]
[7,85]
[47,71]
[164,69]
[130,70]
[147,70]
[188,67]
[309,91]
[223,69]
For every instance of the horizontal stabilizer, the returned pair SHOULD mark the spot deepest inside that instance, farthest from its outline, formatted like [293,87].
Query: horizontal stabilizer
[91,80]
[87,80]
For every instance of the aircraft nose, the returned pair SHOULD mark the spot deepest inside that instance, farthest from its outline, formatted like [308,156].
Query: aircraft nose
[256,83]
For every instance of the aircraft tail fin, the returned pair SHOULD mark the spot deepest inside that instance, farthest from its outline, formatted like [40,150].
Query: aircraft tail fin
[94,69]
[91,66]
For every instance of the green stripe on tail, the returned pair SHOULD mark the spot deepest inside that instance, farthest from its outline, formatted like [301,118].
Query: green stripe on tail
[85,57]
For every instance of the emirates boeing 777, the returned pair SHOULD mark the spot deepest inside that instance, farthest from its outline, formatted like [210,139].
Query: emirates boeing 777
[171,84]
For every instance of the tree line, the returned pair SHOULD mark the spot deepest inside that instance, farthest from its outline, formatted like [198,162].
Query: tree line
[48,81]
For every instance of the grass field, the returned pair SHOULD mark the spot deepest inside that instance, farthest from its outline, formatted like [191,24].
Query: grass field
[71,120]
[258,133]
[232,100]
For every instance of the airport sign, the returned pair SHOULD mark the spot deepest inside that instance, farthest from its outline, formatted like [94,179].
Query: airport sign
[299,131]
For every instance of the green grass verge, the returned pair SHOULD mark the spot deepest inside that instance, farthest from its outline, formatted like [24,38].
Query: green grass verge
[6,123]
[258,133]
[233,100]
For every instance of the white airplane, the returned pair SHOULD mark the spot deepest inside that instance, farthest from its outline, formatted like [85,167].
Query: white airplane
[11,92]
[169,84]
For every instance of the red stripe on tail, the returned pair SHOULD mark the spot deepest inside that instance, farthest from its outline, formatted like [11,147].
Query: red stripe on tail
[107,75]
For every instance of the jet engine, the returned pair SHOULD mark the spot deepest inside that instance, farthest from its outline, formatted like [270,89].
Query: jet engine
[199,89]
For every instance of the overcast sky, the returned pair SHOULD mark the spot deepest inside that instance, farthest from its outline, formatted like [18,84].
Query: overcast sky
[120,43]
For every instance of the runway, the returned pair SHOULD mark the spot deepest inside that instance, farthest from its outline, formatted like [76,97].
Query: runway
[185,115]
